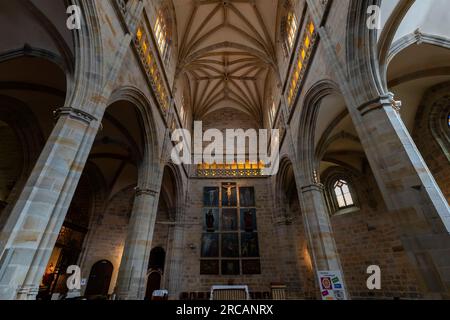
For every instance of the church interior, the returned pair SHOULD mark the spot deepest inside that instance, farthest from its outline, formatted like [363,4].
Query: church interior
[359,91]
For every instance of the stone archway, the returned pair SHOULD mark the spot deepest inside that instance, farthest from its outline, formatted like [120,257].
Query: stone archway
[99,278]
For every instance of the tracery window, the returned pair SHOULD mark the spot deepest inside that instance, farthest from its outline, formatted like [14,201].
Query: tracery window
[182,111]
[291,29]
[230,238]
[161,34]
[273,111]
[343,195]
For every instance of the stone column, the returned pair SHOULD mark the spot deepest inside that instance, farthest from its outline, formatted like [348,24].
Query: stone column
[417,205]
[174,267]
[132,278]
[318,229]
[30,233]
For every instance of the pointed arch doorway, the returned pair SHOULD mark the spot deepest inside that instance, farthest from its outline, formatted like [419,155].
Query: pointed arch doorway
[100,279]
[155,271]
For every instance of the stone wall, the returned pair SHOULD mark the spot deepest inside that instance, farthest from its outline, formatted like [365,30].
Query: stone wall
[106,238]
[295,267]
[192,281]
[369,237]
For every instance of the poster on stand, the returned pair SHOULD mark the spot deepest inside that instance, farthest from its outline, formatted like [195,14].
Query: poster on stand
[331,285]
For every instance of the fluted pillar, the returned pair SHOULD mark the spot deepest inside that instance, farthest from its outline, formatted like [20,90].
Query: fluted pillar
[132,278]
[318,229]
[30,233]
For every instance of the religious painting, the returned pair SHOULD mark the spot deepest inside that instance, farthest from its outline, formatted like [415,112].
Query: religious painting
[229,220]
[210,245]
[251,267]
[230,267]
[229,195]
[230,245]
[210,220]
[249,245]
[229,239]
[248,220]
[247,196]
[209,267]
[211,197]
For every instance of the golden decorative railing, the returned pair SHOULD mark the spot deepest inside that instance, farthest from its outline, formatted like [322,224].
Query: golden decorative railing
[235,170]
[302,61]
[148,59]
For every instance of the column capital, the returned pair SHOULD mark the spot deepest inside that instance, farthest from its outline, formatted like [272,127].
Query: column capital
[74,114]
[145,191]
[313,187]
[380,102]
[28,290]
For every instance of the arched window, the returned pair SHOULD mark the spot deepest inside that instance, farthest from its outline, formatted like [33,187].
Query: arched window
[183,111]
[291,29]
[272,112]
[161,34]
[343,195]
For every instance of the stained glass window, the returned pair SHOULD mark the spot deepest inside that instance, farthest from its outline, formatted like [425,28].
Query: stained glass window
[161,33]
[291,29]
[302,60]
[182,111]
[272,112]
[230,243]
[142,42]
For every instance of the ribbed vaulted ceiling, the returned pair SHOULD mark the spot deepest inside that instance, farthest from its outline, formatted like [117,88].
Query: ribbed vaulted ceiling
[226,51]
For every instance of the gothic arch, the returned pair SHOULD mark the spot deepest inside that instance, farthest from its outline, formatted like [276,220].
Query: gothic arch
[176,196]
[150,158]
[35,52]
[415,38]
[76,52]
[361,54]
[406,26]
[285,188]
[306,146]
[388,33]
[88,76]
[433,115]
[100,278]
[431,133]
[378,49]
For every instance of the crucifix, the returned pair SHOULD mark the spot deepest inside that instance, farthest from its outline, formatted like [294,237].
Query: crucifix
[229,187]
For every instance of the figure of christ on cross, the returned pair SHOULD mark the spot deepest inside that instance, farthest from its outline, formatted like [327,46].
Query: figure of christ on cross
[229,187]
